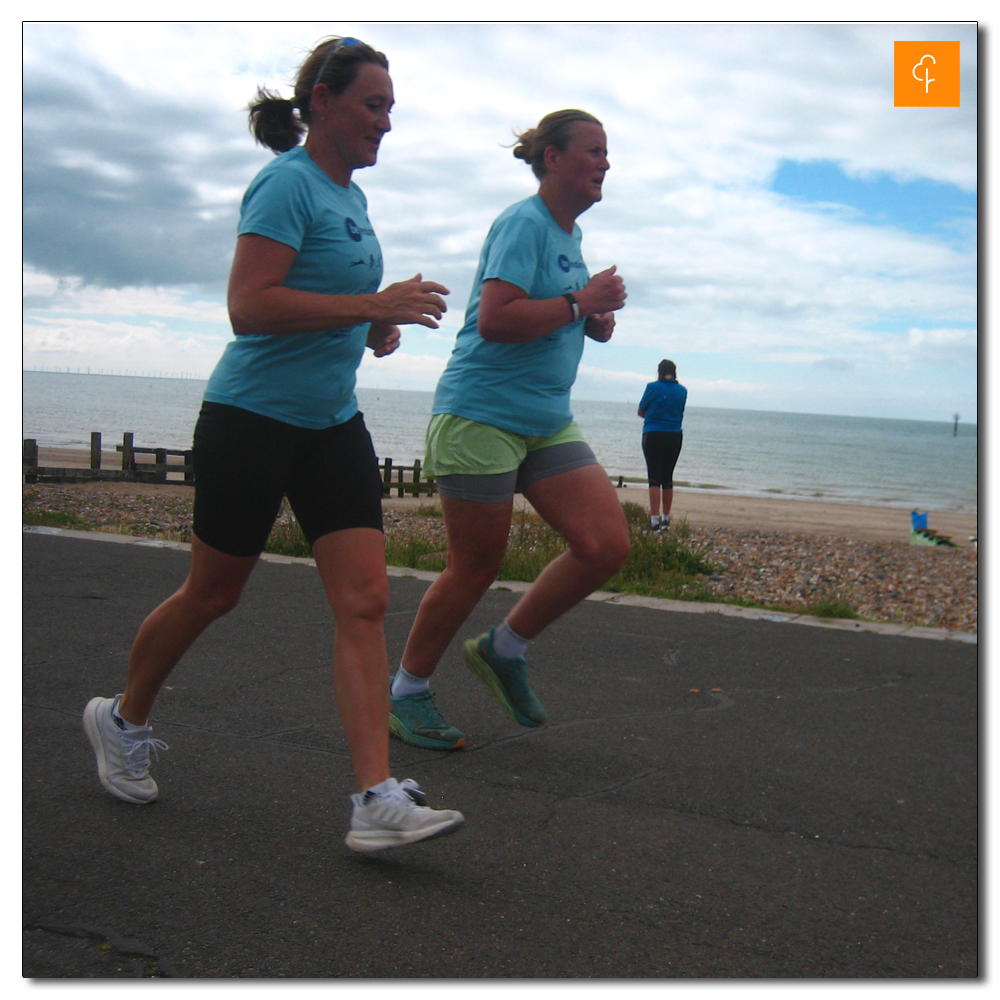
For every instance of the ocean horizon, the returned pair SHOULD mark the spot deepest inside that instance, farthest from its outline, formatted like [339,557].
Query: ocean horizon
[879,461]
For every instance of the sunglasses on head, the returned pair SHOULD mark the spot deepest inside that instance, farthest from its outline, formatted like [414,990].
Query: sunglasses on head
[341,43]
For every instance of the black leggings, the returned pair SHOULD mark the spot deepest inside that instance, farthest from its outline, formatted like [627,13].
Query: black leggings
[660,449]
[244,463]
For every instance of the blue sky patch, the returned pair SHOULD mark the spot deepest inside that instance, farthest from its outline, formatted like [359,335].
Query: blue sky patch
[922,206]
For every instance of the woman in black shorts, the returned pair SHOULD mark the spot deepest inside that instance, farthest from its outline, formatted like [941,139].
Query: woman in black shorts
[280,418]
[662,407]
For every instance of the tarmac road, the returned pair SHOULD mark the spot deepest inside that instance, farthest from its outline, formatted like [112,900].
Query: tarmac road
[712,797]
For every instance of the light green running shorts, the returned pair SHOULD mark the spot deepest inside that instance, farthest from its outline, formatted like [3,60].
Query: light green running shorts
[486,464]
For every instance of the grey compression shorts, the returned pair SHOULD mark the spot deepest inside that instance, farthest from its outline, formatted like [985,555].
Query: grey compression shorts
[501,487]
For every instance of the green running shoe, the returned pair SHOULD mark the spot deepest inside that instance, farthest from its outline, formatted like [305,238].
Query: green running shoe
[507,681]
[414,719]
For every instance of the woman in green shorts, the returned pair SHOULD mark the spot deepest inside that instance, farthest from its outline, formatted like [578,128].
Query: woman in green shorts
[501,424]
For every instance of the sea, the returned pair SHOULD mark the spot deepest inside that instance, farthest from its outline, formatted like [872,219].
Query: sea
[912,464]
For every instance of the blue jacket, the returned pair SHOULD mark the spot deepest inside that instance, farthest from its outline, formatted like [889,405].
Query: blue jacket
[663,405]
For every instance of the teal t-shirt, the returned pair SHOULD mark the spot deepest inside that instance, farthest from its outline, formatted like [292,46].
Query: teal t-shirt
[305,379]
[522,388]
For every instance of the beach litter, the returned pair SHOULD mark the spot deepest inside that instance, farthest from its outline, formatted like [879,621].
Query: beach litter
[921,534]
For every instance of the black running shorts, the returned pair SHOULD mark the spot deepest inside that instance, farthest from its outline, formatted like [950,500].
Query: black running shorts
[244,463]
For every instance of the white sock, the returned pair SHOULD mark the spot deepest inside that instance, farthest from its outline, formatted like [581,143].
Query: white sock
[507,644]
[125,724]
[654,519]
[382,787]
[405,683]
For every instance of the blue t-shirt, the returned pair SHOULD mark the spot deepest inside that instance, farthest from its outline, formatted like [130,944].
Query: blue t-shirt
[305,379]
[663,402]
[522,388]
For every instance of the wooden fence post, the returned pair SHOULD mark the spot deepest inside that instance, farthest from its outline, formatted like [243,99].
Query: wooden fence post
[29,457]
[160,458]
[189,471]
[387,478]
[128,458]
[416,477]
[95,449]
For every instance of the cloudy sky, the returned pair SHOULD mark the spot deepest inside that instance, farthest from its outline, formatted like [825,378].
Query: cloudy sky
[787,236]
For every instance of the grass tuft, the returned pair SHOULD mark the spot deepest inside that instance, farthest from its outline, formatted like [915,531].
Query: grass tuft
[55,519]
[832,606]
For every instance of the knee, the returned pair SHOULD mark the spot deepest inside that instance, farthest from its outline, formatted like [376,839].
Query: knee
[605,554]
[474,572]
[211,604]
[365,602]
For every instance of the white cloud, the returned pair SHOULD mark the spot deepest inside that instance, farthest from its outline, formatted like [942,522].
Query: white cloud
[74,297]
[698,117]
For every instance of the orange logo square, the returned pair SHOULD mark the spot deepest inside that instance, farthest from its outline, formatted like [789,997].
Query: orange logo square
[926,75]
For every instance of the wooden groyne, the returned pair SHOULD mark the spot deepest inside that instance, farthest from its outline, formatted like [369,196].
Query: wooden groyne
[168,465]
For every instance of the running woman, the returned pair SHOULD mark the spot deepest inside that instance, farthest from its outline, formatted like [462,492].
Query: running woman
[280,418]
[502,424]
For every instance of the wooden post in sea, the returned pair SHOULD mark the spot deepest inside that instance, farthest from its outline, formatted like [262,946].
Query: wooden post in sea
[954,433]
[95,449]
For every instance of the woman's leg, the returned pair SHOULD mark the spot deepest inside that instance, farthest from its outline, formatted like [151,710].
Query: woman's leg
[213,587]
[583,507]
[351,565]
[672,450]
[477,541]
[654,501]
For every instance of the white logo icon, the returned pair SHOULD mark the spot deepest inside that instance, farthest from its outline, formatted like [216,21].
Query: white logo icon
[926,79]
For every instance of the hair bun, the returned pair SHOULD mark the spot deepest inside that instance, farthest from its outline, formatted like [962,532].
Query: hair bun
[525,148]
[554,129]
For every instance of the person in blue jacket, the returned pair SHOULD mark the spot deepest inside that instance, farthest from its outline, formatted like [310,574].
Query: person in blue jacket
[662,410]
[280,419]
[502,424]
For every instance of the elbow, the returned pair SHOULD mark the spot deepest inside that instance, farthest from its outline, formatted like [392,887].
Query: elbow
[490,331]
[241,318]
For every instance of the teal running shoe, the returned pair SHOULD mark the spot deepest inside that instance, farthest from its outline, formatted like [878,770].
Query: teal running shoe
[414,719]
[507,681]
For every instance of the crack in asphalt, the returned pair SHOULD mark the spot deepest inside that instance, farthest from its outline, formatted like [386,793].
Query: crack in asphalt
[109,939]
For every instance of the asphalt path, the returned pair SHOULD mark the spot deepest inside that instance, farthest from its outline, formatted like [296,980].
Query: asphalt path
[713,797]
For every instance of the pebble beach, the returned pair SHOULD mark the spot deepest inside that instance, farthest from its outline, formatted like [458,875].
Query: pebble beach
[769,553]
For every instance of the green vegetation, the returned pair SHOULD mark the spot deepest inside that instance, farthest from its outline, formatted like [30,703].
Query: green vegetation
[429,509]
[832,606]
[658,565]
[666,566]
[55,519]
[662,565]
[286,539]
[414,552]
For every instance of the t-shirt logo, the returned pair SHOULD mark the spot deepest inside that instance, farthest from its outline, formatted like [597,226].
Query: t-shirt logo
[565,264]
[352,230]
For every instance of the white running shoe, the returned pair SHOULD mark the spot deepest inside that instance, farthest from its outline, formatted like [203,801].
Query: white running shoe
[396,817]
[122,754]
